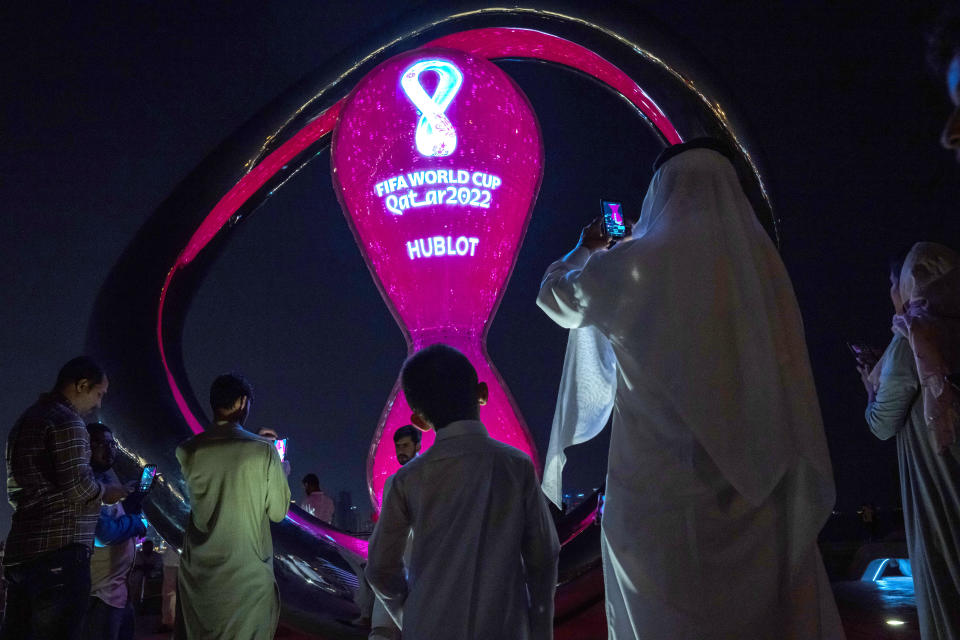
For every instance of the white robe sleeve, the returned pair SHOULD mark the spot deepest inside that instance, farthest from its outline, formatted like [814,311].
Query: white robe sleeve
[561,294]
[588,389]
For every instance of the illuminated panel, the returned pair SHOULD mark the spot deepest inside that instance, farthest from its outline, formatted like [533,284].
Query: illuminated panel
[437,161]
[490,43]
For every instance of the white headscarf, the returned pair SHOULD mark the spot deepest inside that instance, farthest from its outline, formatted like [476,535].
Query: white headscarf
[588,387]
[706,320]
[930,291]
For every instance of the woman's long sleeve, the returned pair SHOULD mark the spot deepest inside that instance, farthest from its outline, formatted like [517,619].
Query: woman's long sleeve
[896,392]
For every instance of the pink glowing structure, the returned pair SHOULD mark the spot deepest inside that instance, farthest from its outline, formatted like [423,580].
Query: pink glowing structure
[437,161]
[488,43]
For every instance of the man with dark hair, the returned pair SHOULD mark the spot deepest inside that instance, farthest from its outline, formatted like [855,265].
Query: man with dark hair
[483,562]
[56,500]
[316,502]
[110,614]
[236,486]
[226,394]
[406,440]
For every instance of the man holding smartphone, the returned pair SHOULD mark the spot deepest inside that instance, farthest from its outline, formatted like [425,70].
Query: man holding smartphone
[237,486]
[56,500]
[110,613]
[718,477]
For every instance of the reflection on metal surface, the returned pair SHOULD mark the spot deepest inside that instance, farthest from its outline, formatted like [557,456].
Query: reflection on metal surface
[536,45]
[136,326]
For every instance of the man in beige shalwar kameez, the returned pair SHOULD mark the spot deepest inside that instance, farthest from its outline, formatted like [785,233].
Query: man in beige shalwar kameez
[237,486]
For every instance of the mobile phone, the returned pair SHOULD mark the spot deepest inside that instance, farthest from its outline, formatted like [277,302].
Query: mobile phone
[146,477]
[613,223]
[281,445]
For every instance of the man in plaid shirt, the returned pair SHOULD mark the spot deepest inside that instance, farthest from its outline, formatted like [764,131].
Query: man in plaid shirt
[56,502]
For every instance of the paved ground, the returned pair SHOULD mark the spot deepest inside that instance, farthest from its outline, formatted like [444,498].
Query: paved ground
[878,610]
[870,611]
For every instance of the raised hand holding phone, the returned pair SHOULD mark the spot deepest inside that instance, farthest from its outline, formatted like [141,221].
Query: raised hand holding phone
[592,236]
[133,502]
[146,478]
[614,225]
[281,445]
[864,354]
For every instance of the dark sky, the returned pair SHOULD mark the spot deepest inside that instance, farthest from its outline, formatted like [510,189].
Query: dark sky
[109,105]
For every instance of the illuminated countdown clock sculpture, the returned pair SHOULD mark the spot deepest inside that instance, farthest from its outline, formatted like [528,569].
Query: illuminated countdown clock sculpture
[437,161]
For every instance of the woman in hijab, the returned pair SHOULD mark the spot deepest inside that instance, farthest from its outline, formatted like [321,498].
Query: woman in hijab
[718,477]
[910,396]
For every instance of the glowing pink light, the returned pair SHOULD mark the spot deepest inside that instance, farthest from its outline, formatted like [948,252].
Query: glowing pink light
[490,43]
[525,43]
[588,520]
[221,213]
[443,262]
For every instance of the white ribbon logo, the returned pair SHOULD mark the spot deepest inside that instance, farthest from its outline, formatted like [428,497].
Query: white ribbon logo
[435,134]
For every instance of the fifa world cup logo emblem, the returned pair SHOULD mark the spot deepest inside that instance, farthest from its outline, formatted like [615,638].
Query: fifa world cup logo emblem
[435,135]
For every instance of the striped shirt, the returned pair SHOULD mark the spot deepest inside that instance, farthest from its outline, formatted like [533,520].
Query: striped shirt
[50,484]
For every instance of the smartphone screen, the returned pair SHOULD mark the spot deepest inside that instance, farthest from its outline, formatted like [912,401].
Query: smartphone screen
[613,222]
[146,477]
[281,445]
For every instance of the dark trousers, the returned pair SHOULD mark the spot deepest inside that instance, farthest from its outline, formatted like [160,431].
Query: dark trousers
[109,623]
[47,597]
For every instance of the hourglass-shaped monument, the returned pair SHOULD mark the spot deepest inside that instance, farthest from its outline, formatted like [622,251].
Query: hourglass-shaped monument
[437,160]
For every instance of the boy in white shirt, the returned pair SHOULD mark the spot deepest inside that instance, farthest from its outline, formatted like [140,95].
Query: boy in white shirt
[483,562]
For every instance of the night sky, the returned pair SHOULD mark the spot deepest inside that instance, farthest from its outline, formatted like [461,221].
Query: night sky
[109,105]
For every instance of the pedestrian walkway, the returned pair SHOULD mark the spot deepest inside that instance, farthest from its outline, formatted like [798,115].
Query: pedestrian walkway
[878,610]
[881,610]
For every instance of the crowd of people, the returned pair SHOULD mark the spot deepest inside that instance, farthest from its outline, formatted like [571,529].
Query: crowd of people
[686,331]
[71,564]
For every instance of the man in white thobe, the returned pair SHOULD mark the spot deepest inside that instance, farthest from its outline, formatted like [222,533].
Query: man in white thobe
[718,477]
[483,562]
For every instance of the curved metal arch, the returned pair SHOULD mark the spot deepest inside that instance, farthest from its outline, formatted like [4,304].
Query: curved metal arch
[673,76]
[316,565]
